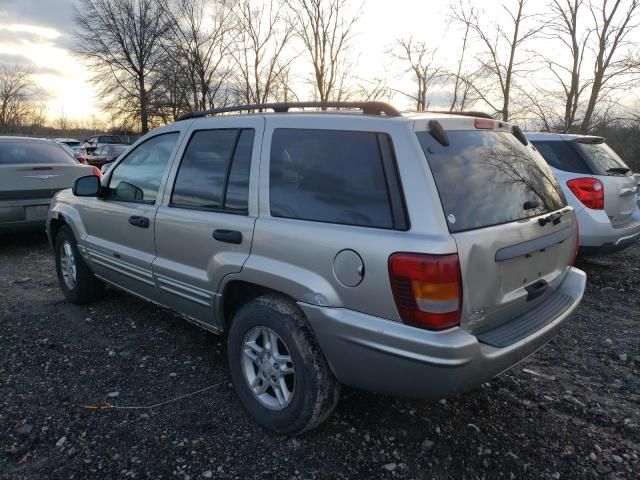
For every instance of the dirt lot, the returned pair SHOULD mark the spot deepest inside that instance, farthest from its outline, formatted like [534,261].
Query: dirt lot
[571,411]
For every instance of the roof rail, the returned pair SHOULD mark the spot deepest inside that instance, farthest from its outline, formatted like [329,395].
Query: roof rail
[369,108]
[464,114]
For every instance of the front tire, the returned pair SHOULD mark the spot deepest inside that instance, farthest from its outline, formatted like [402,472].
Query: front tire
[277,368]
[76,281]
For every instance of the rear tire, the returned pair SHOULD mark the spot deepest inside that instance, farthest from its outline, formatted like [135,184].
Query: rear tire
[308,391]
[76,281]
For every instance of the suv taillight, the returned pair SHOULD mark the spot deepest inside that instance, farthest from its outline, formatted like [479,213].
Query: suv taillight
[427,289]
[589,191]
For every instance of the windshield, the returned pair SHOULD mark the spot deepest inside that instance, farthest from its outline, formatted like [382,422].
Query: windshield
[118,149]
[488,178]
[603,156]
[36,152]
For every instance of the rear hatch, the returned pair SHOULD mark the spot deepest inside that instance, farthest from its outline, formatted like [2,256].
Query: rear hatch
[619,183]
[36,170]
[515,235]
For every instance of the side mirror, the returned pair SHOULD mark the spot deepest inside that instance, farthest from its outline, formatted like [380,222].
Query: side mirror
[88,186]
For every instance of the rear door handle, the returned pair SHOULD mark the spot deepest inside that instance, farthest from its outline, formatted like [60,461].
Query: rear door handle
[228,236]
[137,221]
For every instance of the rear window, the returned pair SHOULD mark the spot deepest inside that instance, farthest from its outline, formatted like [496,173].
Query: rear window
[488,178]
[602,155]
[109,139]
[563,156]
[333,176]
[34,152]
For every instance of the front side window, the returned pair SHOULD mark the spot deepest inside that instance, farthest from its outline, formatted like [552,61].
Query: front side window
[137,178]
[214,172]
[333,176]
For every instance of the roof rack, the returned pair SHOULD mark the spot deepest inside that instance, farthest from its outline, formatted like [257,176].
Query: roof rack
[464,114]
[369,108]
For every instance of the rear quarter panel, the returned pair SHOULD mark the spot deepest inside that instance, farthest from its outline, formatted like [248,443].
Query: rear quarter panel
[297,257]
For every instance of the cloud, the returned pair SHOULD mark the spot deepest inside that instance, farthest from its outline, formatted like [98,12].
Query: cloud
[56,14]
[21,60]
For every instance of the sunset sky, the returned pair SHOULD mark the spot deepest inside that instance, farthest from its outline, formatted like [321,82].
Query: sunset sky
[40,32]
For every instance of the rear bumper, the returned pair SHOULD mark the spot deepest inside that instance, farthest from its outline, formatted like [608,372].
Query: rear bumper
[23,214]
[389,357]
[598,236]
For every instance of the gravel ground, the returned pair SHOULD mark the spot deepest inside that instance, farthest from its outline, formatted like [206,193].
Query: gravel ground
[571,411]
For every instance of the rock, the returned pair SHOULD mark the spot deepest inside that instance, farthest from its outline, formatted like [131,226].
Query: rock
[427,444]
[592,457]
[623,357]
[173,374]
[207,474]
[113,394]
[390,467]
[608,341]
[24,430]
[60,442]
[617,458]
[367,437]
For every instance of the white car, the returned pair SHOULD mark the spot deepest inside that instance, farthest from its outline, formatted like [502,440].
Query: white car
[598,184]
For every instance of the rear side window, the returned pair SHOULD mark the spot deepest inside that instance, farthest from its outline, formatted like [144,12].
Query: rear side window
[34,152]
[563,156]
[109,139]
[330,176]
[488,178]
[214,172]
[603,156]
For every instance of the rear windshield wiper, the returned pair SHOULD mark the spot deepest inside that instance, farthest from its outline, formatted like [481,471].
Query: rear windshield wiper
[620,170]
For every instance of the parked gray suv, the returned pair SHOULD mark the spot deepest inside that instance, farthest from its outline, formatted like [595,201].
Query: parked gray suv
[418,255]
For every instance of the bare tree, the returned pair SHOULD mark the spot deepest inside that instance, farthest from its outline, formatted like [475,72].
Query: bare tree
[614,21]
[259,52]
[565,27]
[120,40]
[461,87]
[62,122]
[420,61]
[501,58]
[17,91]
[199,45]
[325,28]
[372,90]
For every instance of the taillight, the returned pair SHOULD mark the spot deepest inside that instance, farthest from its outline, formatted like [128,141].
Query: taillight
[589,191]
[97,172]
[484,123]
[427,289]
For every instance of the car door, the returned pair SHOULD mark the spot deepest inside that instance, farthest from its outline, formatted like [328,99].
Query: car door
[119,228]
[204,227]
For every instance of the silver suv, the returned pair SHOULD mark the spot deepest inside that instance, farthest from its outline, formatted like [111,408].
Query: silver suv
[418,255]
[598,185]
